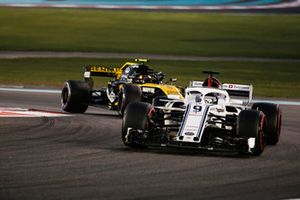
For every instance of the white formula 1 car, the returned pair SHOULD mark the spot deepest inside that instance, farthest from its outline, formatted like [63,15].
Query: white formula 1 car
[213,117]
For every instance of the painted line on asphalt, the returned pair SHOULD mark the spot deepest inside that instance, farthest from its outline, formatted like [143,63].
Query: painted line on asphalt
[30,90]
[289,103]
[21,112]
[281,102]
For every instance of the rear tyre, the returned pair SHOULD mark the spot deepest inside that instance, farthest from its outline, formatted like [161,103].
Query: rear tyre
[90,82]
[273,116]
[75,96]
[128,93]
[136,117]
[252,124]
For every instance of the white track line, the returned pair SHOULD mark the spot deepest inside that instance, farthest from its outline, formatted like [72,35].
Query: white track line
[21,112]
[270,6]
[291,103]
[30,90]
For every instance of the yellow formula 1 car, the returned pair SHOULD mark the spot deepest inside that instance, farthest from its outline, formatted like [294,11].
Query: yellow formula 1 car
[133,81]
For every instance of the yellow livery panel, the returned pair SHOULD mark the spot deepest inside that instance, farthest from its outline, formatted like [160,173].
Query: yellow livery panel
[169,90]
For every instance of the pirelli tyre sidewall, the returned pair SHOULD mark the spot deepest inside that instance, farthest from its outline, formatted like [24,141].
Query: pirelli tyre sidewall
[75,96]
[136,116]
[273,117]
[252,124]
[128,93]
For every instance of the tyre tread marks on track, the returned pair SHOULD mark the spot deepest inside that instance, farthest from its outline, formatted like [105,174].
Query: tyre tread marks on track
[78,130]
[68,161]
[13,125]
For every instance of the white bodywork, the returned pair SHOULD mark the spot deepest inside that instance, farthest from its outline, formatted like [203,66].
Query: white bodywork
[205,106]
[206,119]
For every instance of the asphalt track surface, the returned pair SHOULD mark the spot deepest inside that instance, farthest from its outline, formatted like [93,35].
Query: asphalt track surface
[82,157]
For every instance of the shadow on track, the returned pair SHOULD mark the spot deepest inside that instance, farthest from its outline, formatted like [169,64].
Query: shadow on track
[102,138]
[182,152]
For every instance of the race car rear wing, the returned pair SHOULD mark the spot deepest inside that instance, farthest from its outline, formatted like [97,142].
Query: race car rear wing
[114,72]
[235,91]
[238,91]
[101,71]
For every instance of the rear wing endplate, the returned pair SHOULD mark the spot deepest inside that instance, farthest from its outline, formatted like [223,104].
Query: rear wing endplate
[238,91]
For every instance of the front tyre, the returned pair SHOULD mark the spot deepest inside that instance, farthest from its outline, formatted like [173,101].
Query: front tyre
[136,121]
[252,124]
[273,116]
[75,96]
[128,93]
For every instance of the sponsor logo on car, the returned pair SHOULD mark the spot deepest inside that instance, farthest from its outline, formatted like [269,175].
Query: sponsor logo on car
[189,133]
[104,69]
[148,90]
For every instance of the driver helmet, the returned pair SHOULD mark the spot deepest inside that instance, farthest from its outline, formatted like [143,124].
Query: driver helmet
[139,73]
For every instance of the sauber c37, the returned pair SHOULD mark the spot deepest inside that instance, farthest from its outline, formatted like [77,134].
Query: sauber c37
[212,117]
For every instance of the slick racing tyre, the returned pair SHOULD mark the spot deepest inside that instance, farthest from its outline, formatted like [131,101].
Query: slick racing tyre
[136,117]
[90,82]
[75,96]
[128,93]
[273,116]
[252,124]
